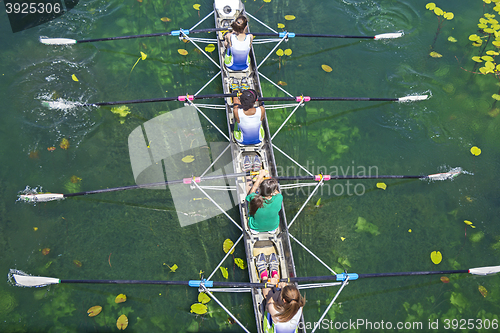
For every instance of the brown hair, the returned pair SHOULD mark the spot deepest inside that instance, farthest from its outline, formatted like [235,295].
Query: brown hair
[266,188]
[239,24]
[293,302]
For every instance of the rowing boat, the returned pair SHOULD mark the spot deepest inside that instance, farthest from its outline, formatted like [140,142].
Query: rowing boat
[225,12]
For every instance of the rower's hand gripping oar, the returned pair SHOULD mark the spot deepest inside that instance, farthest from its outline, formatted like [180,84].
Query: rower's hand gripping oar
[68,41]
[45,197]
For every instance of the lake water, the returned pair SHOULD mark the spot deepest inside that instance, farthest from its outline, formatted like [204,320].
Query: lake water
[136,235]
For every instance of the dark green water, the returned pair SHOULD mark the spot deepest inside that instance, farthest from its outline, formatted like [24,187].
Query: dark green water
[130,235]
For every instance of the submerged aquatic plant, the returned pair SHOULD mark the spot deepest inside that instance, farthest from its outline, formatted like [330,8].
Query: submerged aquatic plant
[442,17]
[7,302]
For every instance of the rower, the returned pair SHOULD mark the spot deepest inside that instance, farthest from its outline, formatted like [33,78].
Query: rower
[238,45]
[249,130]
[284,306]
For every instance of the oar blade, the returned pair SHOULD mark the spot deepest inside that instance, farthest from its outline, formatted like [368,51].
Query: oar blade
[41,197]
[445,175]
[391,35]
[57,41]
[20,279]
[413,98]
[485,270]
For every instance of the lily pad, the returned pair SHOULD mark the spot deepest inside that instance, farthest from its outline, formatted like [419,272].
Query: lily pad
[326,68]
[483,291]
[289,17]
[228,244]
[224,272]
[94,311]
[188,159]
[436,257]
[382,186]
[198,308]
[240,263]
[203,298]
[475,151]
[122,322]
[120,298]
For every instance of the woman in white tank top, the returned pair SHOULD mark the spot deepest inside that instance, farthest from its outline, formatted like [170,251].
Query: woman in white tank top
[238,45]
[249,130]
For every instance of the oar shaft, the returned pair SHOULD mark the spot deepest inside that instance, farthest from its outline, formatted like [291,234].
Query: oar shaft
[153,100]
[183,283]
[360,276]
[328,177]
[169,182]
[373,99]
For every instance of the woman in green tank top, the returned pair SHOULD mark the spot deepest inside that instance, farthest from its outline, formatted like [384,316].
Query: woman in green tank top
[264,206]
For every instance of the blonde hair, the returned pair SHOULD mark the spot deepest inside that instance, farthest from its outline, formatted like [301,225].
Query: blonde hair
[293,302]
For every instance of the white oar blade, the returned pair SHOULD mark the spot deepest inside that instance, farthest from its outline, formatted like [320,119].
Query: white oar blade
[41,197]
[57,41]
[445,175]
[389,35]
[413,98]
[33,281]
[485,270]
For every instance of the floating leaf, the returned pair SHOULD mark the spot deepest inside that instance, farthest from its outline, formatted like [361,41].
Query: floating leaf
[326,68]
[74,78]
[282,83]
[64,144]
[436,257]
[438,11]
[75,179]
[483,291]
[196,6]
[45,251]
[203,298]
[143,55]
[449,16]
[474,38]
[199,308]
[444,279]
[281,25]
[381,185]
[210,48]
[122,111]
[477,59]
[482,26]
[434,54]
[240,263]
[475,151]
[173,268]
[120,298]
[94,311]
[78,263]
[478,43]
[489,30]
[279,52]
[288,52]
[452,39]
[430,6]
[122,322]
[289,17]
[318,203]
[228,244]
[224,272]
[165,19]
[409,230]
[493,53]
[182,52]
[496,43]
[188,159]
[496,96]
[467,222]
[35,228]
[267,0]
[51,148]
[487,58]
[342,238]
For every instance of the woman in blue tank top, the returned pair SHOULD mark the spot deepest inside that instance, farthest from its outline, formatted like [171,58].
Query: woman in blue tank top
[238,45]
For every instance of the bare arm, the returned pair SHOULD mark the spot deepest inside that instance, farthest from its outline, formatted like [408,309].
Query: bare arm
[236,101]
[263,115]
[260,178]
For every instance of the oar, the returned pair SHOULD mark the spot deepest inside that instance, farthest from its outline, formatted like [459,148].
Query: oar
[21,279]
[61,104]
[391,35]
[437,176]
[44,197]
[68,41]
[374,99]
[353,276]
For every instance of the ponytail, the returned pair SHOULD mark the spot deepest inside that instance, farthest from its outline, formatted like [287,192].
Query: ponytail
[293,302]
